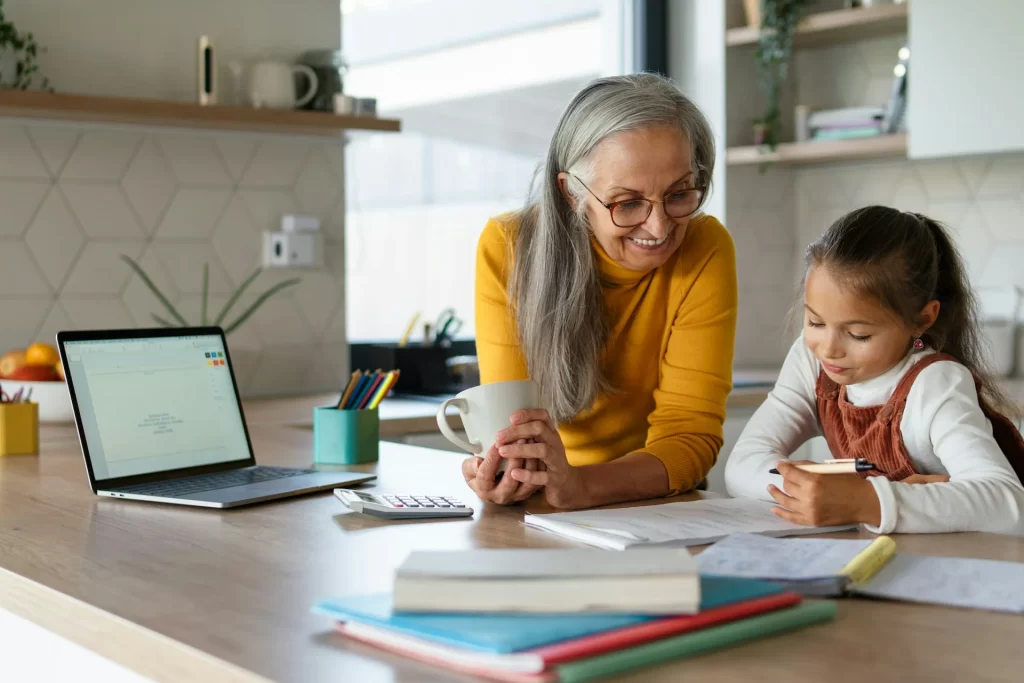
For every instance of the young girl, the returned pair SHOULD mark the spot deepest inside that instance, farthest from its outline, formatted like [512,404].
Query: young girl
[887,370]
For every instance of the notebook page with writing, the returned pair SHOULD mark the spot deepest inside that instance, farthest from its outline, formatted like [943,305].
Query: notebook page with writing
[683,524]
[759,557]
[953,581]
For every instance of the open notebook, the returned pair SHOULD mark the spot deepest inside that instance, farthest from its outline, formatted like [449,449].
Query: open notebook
[676,524]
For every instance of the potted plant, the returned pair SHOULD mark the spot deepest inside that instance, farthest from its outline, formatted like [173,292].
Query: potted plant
[22,50]
[779,19]
[177,320]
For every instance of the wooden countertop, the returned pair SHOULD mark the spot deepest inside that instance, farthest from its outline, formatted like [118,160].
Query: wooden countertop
[188,594]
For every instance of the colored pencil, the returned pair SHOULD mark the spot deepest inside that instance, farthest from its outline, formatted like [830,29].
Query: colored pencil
[357,397]
[350,388]
[368,396]
[383,392]
[355,392]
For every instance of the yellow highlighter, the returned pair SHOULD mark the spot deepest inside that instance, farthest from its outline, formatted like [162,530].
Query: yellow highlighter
[867,563]
[408,330]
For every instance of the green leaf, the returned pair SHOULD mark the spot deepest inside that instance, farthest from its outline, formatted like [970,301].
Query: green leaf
[259,302]
[153,288]
[206,292]
[234,297]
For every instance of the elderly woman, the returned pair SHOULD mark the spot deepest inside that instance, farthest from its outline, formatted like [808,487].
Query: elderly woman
[618,297]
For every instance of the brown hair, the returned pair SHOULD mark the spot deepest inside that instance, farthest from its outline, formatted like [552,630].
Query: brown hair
[904,260]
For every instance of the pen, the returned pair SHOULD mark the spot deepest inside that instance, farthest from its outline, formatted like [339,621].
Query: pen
[847,466]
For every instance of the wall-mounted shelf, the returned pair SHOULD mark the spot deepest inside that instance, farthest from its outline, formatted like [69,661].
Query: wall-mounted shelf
[840,26]
[821,152]
[87,108]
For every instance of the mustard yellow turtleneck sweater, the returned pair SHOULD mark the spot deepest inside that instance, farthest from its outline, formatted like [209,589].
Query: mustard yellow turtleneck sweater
[669,351]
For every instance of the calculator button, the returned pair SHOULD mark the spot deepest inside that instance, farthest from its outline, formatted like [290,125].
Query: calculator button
[397,505]
[412,505]
[428,505]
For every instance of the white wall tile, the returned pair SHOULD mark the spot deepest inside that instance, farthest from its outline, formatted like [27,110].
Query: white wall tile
[317,188]
[19,201]
[19,158]
[973,170]
[57,320]
[236,152]
[278,320]
[1005,177]
[100,270]
[54,144]
[973,240]
[328,370]
[137,298]
[317,298]
[149,184]
[54,238]
[194,159]
[102,210]
[101,155]
[183,263]
[19,274]
[193,213]
[96,313]
[1004,218]
[910,195]
[942,180]
[275,164]
[237,242]
[1003,266]
[266,207]
[21,319]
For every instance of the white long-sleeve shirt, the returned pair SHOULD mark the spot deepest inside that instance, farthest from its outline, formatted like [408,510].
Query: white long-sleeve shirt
[944,432]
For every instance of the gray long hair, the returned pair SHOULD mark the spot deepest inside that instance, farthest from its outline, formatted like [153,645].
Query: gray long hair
[554,287]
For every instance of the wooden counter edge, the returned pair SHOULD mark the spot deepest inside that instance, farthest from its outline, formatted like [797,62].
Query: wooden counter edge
[137,648]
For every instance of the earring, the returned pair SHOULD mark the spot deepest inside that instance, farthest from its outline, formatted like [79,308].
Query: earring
[918,344]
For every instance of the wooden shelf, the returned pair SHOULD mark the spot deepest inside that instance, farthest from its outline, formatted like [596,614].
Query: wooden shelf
[840,26]
[87,108]
[821,152]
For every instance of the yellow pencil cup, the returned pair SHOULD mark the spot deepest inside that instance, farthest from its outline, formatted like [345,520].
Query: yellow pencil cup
[19,428]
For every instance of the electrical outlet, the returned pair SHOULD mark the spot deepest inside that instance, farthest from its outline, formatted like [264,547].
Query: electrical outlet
[289,249]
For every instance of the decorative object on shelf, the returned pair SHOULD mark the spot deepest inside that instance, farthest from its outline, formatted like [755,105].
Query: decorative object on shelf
[846,123]
[206,67]
[329,67]
[801,123]
[22,50]
[179,321]
[773,55]
[752,10]
[897,106]
[272,84]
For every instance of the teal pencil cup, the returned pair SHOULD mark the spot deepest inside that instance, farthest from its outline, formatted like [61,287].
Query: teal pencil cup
[345,437]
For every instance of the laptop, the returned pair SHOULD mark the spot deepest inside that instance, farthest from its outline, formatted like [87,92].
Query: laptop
[160,419]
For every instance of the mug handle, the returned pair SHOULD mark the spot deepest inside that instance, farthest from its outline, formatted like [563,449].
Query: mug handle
[442,423]
[313,83]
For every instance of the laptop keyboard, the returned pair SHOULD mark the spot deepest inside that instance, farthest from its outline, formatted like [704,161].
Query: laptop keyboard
[179,488]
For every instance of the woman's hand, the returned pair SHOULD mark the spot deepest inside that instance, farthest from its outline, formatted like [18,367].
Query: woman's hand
[481,473]
[824,499]
[534,438]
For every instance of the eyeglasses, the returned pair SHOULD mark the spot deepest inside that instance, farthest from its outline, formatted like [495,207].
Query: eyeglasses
[630,213]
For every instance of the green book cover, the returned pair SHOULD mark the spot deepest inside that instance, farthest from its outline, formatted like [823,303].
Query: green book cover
[698,642]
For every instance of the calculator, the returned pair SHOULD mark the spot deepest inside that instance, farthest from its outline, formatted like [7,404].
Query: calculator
[392,506]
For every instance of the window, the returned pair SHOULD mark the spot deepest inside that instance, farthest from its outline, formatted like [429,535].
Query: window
[479,87]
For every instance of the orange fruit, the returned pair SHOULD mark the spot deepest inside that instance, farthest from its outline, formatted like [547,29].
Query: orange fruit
[11,362]
[60,370]
[41,354]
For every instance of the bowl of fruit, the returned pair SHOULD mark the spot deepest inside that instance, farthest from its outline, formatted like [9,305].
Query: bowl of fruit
[36,373]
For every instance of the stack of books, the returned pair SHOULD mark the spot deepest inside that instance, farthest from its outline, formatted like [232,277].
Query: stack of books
[547,616]
[848,123]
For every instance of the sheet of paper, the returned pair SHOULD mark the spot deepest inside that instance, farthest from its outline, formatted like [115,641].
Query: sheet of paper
[693,523]
[754,556]
[953,581]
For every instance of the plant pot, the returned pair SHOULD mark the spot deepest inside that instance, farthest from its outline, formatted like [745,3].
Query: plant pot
[760,133]
[752,8]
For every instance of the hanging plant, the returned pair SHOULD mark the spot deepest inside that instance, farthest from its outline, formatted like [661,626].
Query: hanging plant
[23,49]
[779,19]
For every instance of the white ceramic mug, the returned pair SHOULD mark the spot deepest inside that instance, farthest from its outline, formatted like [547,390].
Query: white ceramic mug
[485,411]
[272,84]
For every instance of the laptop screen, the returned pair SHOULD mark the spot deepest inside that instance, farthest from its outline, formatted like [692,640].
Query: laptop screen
[155,404]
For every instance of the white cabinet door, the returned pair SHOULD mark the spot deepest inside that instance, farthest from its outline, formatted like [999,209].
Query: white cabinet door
[966,77]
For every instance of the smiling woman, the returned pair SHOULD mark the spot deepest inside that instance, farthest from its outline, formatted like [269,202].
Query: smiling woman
[618,297]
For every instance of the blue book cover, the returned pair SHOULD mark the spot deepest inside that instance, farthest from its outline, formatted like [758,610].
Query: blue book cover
[504,633]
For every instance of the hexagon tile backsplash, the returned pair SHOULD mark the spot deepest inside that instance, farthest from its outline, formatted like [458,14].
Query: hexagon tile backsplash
[73,199]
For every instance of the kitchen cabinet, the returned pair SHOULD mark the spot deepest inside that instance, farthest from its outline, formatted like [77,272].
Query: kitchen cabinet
[966,93]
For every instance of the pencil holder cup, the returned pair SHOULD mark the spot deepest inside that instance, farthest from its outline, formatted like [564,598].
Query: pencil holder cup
[19,428]
[345,437]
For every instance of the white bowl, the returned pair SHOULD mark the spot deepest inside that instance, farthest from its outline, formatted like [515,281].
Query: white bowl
[53,398]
